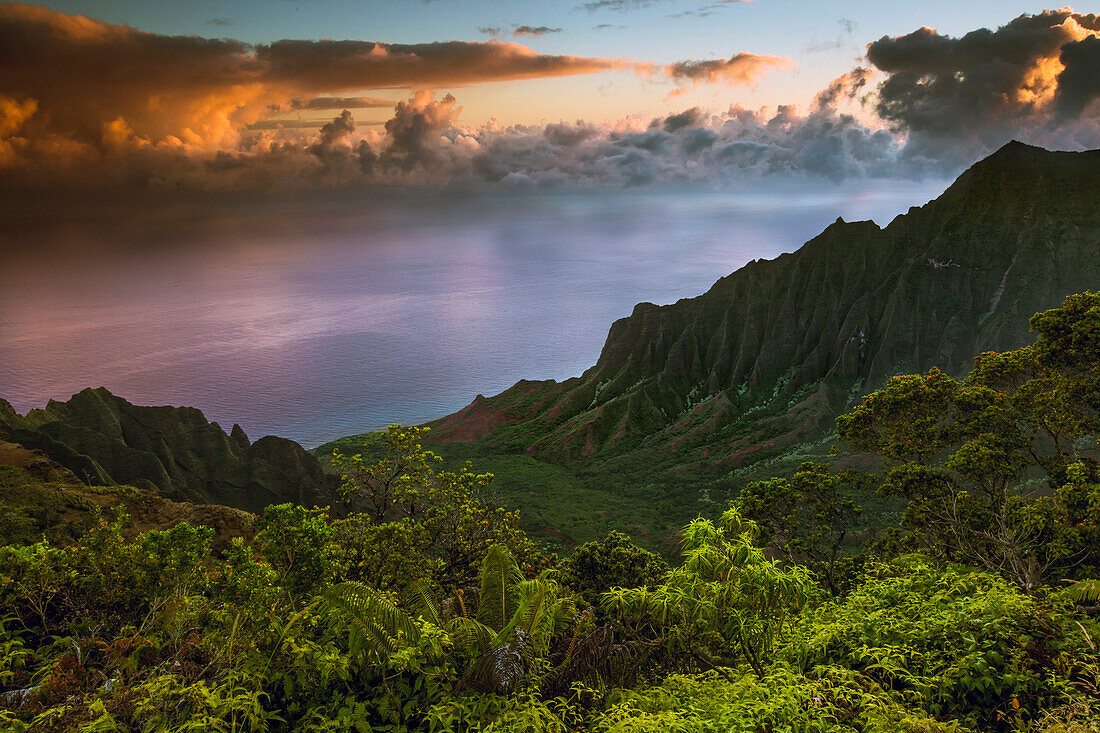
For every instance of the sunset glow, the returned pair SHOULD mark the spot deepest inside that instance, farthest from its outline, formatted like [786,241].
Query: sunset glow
[533,104]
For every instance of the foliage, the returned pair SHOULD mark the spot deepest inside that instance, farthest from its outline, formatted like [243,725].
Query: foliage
[808,517]
[439,518]
[438,615]
[960,643]
[298,543]
[596,567]
[832,700]
[999,469]
[725,602]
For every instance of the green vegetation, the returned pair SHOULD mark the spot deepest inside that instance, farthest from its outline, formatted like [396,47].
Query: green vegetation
[561,508]
[692,401]
[420,605]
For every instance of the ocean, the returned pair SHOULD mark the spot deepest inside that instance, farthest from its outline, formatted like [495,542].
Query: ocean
[314,316]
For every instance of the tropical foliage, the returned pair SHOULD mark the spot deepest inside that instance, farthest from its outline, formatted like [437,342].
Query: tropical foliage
[419,606]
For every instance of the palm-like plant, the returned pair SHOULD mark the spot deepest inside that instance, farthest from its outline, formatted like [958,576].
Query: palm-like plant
[506,625]
[379,625]
[518,617]
[726,595]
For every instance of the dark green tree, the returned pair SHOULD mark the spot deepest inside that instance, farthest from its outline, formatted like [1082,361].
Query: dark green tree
[596,567]
[999,469]
[808,517]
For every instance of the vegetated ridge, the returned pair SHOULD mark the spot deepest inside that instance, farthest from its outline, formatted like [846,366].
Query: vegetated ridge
[766,359]
[104,440]
[41,499]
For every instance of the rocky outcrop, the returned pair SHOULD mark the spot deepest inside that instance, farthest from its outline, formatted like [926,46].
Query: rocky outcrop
[174,451]
[772,353]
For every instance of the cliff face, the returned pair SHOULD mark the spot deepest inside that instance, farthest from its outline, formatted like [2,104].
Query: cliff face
[772,353]
[105,440]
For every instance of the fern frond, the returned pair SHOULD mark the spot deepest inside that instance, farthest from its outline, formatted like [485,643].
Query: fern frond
[468,633]
[499,670]
[1085,591]
[376,617]
[500,579]
[596,657]
[534,609]
[423,600]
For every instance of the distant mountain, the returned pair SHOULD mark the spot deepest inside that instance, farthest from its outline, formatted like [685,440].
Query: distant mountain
[771,354]
[104,440]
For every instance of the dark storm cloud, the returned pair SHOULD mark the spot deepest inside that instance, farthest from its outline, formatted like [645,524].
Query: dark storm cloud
[1079,82]
[973,92]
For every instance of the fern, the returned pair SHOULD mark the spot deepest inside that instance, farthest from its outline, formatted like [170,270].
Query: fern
[379,624]
[424,602]
[500,579]
[468,633]
[1085,591]
[501,669]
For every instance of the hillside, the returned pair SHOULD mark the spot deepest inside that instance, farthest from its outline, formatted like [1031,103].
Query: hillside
[762,363]
[40,499]
[173,451]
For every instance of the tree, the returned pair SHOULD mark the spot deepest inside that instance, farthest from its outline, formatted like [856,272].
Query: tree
[999,469]
[430,514]
[808,516]
[725,602]
[614,561]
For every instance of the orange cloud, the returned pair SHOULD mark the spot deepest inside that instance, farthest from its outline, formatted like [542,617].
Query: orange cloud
[341,103]
[744,69]
[83,74]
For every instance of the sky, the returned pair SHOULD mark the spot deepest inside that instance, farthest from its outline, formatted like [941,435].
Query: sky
[263,94]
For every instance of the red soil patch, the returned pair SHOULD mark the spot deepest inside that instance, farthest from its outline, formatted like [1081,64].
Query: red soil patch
[736,456]
[470,424]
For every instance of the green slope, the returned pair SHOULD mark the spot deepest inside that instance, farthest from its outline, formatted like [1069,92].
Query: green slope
[688,401]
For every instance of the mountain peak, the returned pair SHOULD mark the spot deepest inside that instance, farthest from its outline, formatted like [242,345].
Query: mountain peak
[773,352]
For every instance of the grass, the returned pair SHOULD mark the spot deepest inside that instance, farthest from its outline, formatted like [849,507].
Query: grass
[559,507]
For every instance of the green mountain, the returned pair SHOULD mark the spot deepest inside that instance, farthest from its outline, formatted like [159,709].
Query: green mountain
[759,366]
[104,440]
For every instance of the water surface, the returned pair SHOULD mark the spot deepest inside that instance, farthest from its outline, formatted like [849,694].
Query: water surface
[317,316]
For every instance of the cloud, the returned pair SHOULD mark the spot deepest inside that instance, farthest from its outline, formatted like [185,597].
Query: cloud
[111,106]
[85,74]
[702,12]
[625,5]
[961,95]
[220,22]
[844,87]
[335,65]
[534,31]
[490,30]
[674,123]
[694,147]
[341,103]
[744,69]
[416,131]
[842,39]
[1079,82]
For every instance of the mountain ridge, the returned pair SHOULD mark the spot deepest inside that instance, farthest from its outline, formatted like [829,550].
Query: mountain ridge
[173,451]
[774,351]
